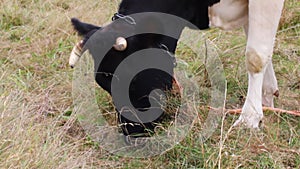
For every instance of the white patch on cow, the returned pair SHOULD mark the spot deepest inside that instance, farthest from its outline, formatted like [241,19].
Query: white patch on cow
[261,30]
[229,14]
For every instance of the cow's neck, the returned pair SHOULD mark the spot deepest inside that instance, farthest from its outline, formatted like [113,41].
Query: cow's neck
[194,11]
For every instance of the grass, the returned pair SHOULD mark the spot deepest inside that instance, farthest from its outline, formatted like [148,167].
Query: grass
[38,130]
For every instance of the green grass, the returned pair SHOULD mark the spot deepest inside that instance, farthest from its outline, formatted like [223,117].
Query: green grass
[39,130]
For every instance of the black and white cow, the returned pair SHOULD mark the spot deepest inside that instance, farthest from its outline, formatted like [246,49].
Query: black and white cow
[260,19]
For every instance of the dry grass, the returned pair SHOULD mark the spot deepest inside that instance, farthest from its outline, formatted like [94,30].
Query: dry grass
[37,130]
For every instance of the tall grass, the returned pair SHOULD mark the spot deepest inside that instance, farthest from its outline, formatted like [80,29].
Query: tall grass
[38,130]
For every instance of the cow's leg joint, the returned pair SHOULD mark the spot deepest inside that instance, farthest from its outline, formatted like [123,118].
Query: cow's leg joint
[255,62]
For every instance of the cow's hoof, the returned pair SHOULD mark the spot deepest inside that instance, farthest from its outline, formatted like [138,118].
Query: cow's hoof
[241,122]
[249,123]
[249,118]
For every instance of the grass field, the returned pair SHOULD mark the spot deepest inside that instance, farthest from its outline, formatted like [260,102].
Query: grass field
[37,129]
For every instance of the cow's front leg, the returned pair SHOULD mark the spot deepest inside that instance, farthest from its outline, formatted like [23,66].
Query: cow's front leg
[270,88]
[263,19]
[262,87]
[252,110]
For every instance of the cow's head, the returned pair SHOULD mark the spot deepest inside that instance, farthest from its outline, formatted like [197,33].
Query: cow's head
[127,35]
[142,84]
[125,25]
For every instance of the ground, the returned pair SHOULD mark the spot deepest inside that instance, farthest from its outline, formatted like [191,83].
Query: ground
[38,130]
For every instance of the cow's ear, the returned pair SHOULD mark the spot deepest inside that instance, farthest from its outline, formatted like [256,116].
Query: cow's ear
[83,28]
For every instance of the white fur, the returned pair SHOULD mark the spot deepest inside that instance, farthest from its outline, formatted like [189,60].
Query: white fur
[260,19]
[229,14]
[270,87]
[252,111]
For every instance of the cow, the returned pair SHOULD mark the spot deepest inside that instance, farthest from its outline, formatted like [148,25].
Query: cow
[259,18]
